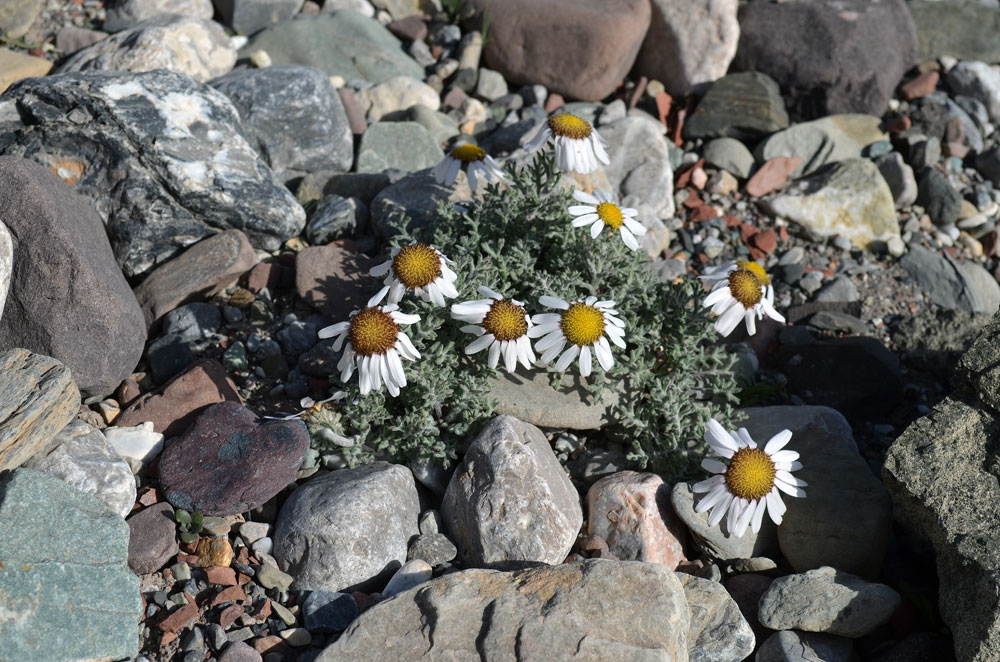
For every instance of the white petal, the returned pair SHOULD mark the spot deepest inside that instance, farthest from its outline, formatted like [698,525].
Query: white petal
[510,356]
[396,367]
[334,330]
[596,228]
[374,301]
[748,317]
[494,354]
[709,484]
[487,292]
[720,510]
[628,238]
[777,442]
[583,196]
[404,318]
[729,320]
[380,269]
[553,302]
[396,292]
[716,296]
[585,361]
[775,506]
[719,439]
[790,479]
[585,220]
[790,490]
[603,352]
[576,210]
[405,347]
[714,466]
[552,352]
[480,343]
[546,318]
[553,338]
[758,515]
[635,227]
[473,329]
[567,358]
[471,174]
[784,457]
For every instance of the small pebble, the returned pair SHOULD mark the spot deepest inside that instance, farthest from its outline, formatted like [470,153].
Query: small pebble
[297,636]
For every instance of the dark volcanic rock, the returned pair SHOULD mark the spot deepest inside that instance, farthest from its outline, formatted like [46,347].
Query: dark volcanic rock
[67,297]
[229,461]
[163,159]
[745,106]
[829,56]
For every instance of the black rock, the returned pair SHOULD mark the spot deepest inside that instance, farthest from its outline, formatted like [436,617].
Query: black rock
[167,356]
[327,611]
[163,159]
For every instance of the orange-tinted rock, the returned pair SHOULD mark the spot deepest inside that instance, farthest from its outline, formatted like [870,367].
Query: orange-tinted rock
[220,575]
[175,405]
[214,552]
[772,175]
[920,86]
[765,241]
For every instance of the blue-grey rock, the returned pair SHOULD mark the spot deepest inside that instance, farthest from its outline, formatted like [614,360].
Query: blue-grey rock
[164,181]
[68,591]
[963,29]
[405,146]
[441,126]
[67,297]
[434,548]
[951,284]
[250,16]
[328,611]
[168,355]
[899,176]
[299,336]
[344,43]
[293,117]
[731,155]
[977,80]
[745,106]
[938,197]
[337,217]
[193,322]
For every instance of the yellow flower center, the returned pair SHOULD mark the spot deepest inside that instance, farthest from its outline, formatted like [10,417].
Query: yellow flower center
[750,474]
[468,153]
[745,287]
[611,215]
[570,126]
[582,324]
[373,331]
[416,265]
[505,320]
[756,270]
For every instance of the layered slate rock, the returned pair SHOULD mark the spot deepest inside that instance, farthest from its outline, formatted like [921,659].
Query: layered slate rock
[745,106]
[593,610]
[580,49]
[942,473]
[830,56]
[84,459]
[196,47]
[324,535]
[343,43]
[229,461]
[293,117]
[163,160]
[68,591]
[717,632]
[510,500]
[67,297]
[689,43]
[37,399]
[405,146]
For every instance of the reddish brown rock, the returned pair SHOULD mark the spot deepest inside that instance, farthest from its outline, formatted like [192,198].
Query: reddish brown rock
[578,48]
[334,278]
[152,538]
[221,576]
[229,461]
[267,644]
[410,28]
[352,108]
[229,594]
[204,269]
[175,405]
[263,274]
[772,175]
[229,615]
[180,617]
[632,512]
[765,241]
[920,86]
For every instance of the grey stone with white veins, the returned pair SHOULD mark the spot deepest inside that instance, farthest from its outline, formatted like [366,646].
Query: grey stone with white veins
[163,180]
[6,263]
[717,631]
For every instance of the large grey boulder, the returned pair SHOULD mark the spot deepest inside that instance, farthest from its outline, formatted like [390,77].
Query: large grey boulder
[348,529]
[163,159]
[67,297]
[588,611]
[510,499]
[717,632]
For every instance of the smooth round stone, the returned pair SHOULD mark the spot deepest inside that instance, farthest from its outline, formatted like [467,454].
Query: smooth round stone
[413,573]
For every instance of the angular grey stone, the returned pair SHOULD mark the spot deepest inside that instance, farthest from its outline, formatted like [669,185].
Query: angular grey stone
[250,16]
[729,154]
[938,197]
[533,400]
[396,95]
[963,29]
[182,44]
[510,499]
[337,218]
[68,593]
[416,198]
[324,535]
[128,13]
[441,126]
[434,548]
[413,573]
[640,171]
[745,106]
[790,646]
[823,141]
[165,183]
[193,322]
[491,85]
[405,146]
[293,117]
[977,80]
[717,542]
[717,632]
[951,284]
[67,297]
[840,289]
[83,459]
[343,43]
[829,601]
[594,610]
[899,176]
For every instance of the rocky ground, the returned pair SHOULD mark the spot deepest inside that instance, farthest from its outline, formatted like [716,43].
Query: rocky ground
[173,241]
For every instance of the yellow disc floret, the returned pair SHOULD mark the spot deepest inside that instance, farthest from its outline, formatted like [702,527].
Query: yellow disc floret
[570,126]
[505,320]
[582,324]
[745,287]
[416,265]
[611,215]
[750,474]
[468,153]
[373,331]
[756,270]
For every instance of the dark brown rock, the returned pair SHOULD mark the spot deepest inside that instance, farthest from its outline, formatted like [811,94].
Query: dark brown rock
[334,278]
[175,405]
[152,538]
[230,461]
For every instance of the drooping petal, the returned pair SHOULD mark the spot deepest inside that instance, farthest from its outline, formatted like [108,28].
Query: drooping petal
[567,358]
[480,343]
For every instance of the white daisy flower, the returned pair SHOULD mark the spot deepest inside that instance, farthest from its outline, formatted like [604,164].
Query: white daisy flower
[420,268]
[586,325]
[477,164]
[742,291]
[374,345]
[600,211]
[501,324]
[578,145]
[750,482]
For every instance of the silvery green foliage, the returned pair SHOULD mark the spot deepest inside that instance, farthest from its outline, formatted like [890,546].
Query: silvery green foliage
[519,242]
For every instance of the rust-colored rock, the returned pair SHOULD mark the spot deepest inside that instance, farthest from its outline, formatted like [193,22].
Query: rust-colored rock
[920,86]
[229,594]
[175,405]
[220,575]
[180,617]
[230,614]
[772,175]
[334,278]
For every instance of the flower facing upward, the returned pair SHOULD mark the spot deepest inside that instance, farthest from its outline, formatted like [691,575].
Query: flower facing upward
[578,145]
[752,480]
[374,345]
[501,324]
[419,268]
[600,211]
[742,291]
[585,325]
[477,163]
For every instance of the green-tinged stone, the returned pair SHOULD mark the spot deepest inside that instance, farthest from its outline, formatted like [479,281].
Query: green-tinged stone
[182,571]
[343,43]
[405,146]
[66,591]
[745,106]
[216,526]
[963,29]
[38,398]
[234,359]
[270,577]
[287,617]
